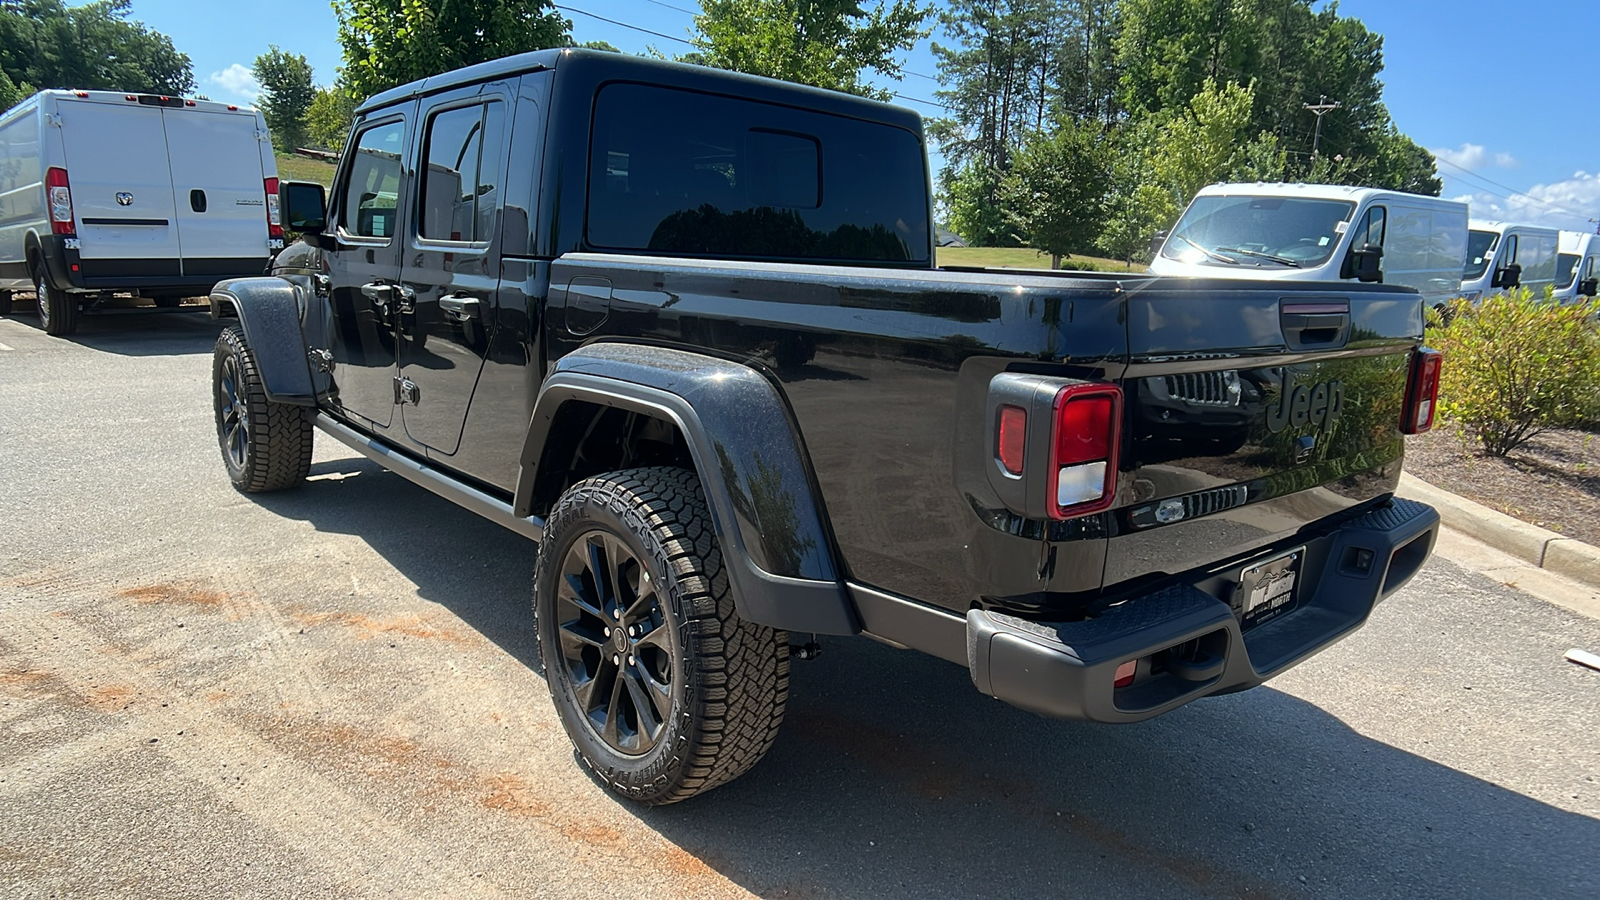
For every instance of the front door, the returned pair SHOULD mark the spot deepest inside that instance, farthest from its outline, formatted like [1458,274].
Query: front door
[451,273]
[364,271]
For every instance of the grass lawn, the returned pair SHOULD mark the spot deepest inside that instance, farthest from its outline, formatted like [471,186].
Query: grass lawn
[302,168]
[1023,258]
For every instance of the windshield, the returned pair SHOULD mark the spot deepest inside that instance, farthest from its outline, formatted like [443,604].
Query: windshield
[1258,231]
[1566,267]
[1480,246]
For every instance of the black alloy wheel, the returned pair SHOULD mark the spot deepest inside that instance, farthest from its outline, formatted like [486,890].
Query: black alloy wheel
[614,642]
[233,416]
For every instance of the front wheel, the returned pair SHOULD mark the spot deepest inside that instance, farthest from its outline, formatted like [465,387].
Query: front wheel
[58,310]
[266,446]
[663,689]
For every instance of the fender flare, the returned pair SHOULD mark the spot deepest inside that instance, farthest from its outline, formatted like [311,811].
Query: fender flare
[765,507]
[269,312]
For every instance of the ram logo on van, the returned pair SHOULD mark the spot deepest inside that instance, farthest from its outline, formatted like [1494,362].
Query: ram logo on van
[1316,404]
[124,198]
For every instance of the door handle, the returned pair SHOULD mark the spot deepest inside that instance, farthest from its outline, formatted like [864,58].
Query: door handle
[378,292]
[461,306]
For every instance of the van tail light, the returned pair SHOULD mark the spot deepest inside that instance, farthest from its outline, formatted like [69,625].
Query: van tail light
[274,219]
[1083,454]
[59,195]
[1422,391]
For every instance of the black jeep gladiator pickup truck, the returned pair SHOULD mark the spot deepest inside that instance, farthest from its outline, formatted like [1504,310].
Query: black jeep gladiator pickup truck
[684,328]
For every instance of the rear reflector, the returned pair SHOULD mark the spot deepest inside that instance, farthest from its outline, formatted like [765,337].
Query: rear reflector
[1083,464]
[1013,438]
[1125,672]
[274,219]
[1422,391]
[59,198]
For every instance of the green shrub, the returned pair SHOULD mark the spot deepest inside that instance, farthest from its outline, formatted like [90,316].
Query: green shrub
[1515,366]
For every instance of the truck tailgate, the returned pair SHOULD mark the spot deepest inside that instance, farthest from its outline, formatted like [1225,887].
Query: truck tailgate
[1253,413]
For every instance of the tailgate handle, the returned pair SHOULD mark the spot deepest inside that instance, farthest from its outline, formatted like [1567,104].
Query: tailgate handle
[1324,324]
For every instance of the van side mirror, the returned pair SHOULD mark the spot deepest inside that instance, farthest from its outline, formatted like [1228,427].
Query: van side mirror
[1156,243]
[1589,287]
[1508,277]
[304,205]
[1365,265]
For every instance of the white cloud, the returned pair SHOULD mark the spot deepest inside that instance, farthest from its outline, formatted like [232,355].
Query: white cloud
[1506,161]
[1568,204]
[238,80]
[1470,156]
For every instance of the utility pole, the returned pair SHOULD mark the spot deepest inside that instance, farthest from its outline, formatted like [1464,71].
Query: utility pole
[1321,108]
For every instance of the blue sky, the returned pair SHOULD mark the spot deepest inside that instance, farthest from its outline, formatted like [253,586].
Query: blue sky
[1491,88]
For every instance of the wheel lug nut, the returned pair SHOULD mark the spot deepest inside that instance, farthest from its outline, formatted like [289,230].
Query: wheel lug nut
[608,632]
[630,660]
[616,660]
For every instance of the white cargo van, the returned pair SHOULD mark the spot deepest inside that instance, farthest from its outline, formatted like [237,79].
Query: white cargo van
[106,192]
[1577,266]
[1501,255]
[1318,232]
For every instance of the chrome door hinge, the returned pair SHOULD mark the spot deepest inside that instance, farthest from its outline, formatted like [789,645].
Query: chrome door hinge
[406,391]
[321,360]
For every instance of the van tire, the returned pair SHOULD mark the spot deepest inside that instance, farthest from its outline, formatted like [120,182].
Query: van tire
[59,311]
[5,303]
[266,446]
[723,681]
[167,302]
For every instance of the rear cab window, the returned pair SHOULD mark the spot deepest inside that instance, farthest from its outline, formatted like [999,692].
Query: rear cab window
[675,171]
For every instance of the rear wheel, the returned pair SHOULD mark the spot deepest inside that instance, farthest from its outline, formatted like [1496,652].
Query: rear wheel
[58,310]
[663,689]
[266,446]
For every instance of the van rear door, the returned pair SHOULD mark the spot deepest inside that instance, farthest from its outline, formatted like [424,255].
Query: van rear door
[218,190]
[121,187]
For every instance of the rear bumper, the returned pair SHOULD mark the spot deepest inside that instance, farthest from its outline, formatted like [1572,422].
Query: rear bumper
[1188,643]
[68,270]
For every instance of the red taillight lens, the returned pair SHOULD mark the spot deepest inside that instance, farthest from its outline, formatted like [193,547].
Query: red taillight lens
[1422,392]
[1013,438]
[58,196]
[274,220]
[1083,465]
[1125,673]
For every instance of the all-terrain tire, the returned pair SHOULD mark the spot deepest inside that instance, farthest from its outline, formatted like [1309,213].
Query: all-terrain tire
[266,446]
[728,678]
[59,311]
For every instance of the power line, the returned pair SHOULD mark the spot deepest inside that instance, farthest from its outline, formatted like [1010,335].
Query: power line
[670,6]
[1513,190]
[585,12]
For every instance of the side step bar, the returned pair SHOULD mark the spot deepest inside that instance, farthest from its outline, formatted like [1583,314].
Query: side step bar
[423,475]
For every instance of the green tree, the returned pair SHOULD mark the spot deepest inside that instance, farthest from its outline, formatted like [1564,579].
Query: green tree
[286,95]
[89,47]
[823,43]
[1210,142]
[328,118]
[600,45]
[11,93]
[969,194]
[1056,190]
[388,43]
[1137,206]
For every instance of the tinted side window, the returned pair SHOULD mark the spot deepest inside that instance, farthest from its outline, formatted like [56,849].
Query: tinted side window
[372,190]
[463,164]
[675,171]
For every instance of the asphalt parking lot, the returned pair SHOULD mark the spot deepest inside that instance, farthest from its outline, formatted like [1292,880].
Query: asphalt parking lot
[334,692]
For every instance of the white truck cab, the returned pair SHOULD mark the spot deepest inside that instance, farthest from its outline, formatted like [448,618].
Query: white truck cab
[1319,232]
[1502,255]
[1577,266]
[104,191]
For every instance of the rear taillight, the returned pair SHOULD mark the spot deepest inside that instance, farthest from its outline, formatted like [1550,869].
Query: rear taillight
[1083,454]
[59,198]
[274,221]
[1422,391]
[1013,442]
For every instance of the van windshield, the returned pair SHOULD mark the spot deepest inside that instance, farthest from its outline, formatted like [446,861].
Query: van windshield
[1258,231]
[1566,267]
[1480,247]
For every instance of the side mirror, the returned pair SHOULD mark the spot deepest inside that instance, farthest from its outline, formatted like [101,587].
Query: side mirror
[1365,265]
[304,205]
[1589,287]
[1508,277]
[1156,243]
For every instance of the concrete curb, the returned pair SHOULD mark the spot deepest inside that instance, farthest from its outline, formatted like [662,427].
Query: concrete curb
[1534,545]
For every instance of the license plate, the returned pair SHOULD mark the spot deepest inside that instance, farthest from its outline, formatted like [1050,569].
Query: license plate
[1270,589]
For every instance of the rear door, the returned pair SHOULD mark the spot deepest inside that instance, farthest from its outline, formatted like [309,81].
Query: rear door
[218,191]
[1253,411]
[451,273]
[121,183]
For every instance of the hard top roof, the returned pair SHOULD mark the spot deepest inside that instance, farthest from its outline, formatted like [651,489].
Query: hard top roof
[610,66]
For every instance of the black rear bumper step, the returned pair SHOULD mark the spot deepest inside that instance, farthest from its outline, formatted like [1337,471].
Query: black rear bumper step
[1067,669]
